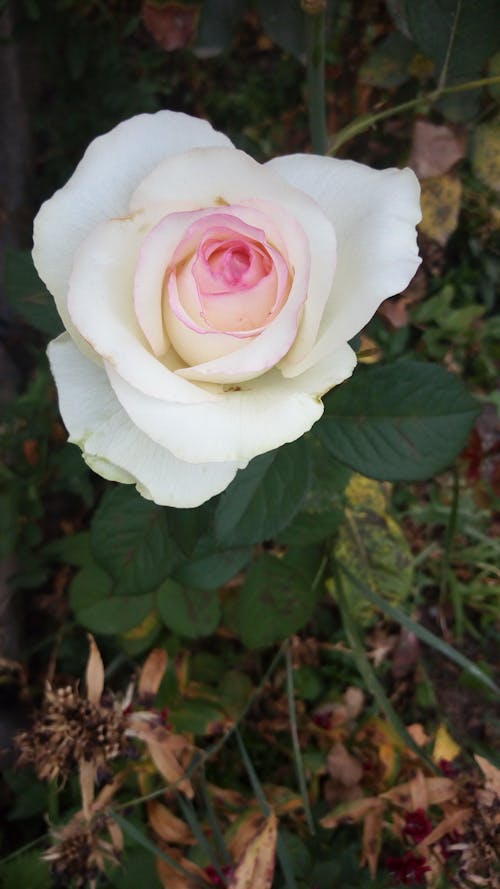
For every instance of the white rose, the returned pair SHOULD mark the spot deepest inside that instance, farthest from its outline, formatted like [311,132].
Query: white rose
[208,299]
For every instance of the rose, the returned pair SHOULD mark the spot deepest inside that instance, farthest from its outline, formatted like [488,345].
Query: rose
[208,300]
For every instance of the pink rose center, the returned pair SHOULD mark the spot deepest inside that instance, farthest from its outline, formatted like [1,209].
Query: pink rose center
[227,278]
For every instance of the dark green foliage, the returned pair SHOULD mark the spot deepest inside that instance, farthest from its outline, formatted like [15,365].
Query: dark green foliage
[405,421]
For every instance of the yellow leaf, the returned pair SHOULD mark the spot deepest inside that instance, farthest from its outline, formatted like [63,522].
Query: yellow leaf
[366,493]
[373,547]
[143,629]
[440,201]
[369,351]
[486,154]
[256,868]
[444,746]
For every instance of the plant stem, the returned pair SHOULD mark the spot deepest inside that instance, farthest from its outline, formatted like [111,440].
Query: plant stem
[299,766]
[366,121]
[315,42]
[453,32]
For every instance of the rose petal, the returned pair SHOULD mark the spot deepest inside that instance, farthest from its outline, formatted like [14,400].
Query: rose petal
[100,304]
[265,350]
[235,178]
[374,213]
[99,426]
[101,186]
[245,421]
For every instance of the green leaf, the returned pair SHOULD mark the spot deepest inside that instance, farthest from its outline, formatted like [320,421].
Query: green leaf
[323,507]
[186,611]
[8,522]
[284,23]
[26,870]
[400,422]
[470,39]
[91,595]
[130,539]
[115,614]
[90,585]
[75,549]
[27,294]
[264,497]
[274,602]
[218,21]
[213,569]
[137,868]
[388,65]
[196,716]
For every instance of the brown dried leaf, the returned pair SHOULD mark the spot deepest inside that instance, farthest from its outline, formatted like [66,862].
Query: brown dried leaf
[354,810]
[107,793]
[243,831]
[152,673]
[86,773]
[395,311]
[167,825]
[455,821]
[406,654]
[491,773]
[344,767]
[282,799]
[354,701]
[417,732]
[256,869]
[421,792]
[94,675]
[172,25]
[231,799]
[441,199]
[165,749]
[170,878]
[435,149]
[372,839]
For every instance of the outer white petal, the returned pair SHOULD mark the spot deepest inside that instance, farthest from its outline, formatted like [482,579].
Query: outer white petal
[101,306]
[247,420]
[114,447]
[374,214]
[100,188]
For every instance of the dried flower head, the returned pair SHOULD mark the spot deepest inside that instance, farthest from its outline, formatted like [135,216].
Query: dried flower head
[69,729]
[82,851]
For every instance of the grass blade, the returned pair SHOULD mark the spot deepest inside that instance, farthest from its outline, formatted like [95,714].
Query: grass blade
[142,840]
[368,673]
[213,820]
[192,819]
[299,766]
[283,857]
[425,635]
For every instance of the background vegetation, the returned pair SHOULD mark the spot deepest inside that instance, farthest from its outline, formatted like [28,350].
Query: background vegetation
[373,685]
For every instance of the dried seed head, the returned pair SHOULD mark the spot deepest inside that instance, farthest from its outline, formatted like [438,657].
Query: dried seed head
[67,729]
[81,852]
